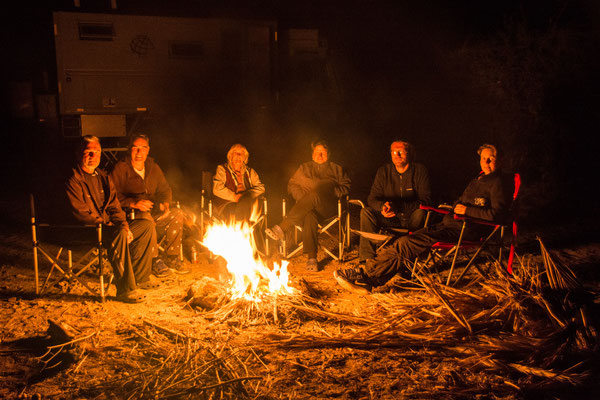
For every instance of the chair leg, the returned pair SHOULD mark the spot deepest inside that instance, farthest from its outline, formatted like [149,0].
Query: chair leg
[55,265]
[100,262]
[462,231]
[464,271]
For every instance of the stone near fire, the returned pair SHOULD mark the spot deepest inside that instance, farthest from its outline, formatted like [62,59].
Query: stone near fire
[206,293]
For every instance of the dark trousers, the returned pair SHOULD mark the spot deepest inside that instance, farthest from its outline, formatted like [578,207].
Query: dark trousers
[392,259]
[371,220]
[170,230]
[307,212]
[132,262]
[240,211]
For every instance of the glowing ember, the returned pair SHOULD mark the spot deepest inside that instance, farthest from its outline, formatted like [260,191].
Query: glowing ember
[252,279]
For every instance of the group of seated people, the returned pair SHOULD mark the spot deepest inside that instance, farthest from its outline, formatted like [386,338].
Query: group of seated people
[134,202]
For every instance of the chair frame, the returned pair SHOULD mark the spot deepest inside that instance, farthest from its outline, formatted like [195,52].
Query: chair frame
[499,231]
[160,244]
[386,234]
[70,272]
[343,234]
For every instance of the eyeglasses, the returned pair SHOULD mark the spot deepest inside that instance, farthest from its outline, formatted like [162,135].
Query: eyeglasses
[399,153]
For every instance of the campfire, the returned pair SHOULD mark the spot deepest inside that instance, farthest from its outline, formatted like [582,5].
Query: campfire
[252,279]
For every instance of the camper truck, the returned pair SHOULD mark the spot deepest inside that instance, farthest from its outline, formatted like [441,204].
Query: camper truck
[113,69]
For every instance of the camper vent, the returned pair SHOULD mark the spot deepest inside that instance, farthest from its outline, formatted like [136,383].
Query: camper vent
[184,49]
[104,31]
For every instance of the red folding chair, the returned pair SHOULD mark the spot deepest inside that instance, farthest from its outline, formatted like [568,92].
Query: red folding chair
[497,234]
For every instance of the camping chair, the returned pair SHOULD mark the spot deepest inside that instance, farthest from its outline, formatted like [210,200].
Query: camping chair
[495,236]
[69,269]
[161,244]
[208,216]
[386,233]
[342,236]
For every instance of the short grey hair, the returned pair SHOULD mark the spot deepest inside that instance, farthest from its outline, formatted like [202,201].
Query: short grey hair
[136,137]
[83,143]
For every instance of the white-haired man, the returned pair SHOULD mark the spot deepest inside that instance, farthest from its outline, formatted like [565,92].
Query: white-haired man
[93,199]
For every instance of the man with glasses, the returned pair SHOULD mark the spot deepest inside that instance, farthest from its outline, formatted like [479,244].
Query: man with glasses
[397,191]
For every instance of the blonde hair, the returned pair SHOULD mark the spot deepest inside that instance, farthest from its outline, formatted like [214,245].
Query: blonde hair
[235,147]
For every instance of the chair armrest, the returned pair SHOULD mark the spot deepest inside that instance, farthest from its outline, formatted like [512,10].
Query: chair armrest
[475,220]
[356,202]
[67,226]
[435,209]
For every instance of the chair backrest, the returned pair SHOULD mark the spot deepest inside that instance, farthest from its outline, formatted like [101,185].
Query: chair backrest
[207,183]
[514,215]
[517,186]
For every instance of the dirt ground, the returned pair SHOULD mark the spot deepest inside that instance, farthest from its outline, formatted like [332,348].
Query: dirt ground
[120,342]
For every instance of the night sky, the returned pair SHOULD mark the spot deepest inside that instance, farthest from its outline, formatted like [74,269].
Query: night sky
[446,76]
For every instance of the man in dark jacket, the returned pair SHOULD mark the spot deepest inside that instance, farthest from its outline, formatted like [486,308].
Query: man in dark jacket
[486,197]
[396,194]
[316,185]
[93,200]
[145,193]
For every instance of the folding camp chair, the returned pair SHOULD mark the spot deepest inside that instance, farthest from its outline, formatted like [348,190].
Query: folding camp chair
[69,269]
[342,236]
[161,243]
[441,250]
[386,233]
[208,216]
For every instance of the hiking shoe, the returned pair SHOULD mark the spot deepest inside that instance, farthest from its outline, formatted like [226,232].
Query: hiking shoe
[132,296]
[275,233]
[148,285]
[354,280]
[178,266]
[312,265]
[160,269]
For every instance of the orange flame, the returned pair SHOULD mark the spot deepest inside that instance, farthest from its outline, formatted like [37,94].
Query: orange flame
[252,278]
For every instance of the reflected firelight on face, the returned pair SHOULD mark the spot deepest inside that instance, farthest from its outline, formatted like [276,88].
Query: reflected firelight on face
[139,151]
[399,155]
[487,161]
[90,158]
[237,160]
[319,154]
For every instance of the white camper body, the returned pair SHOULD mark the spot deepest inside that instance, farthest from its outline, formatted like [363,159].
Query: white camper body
[114,66]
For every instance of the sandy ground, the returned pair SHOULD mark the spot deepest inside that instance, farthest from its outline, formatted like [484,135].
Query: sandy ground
[340,372]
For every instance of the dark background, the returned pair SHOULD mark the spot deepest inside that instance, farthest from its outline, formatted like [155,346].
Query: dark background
[446,76]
